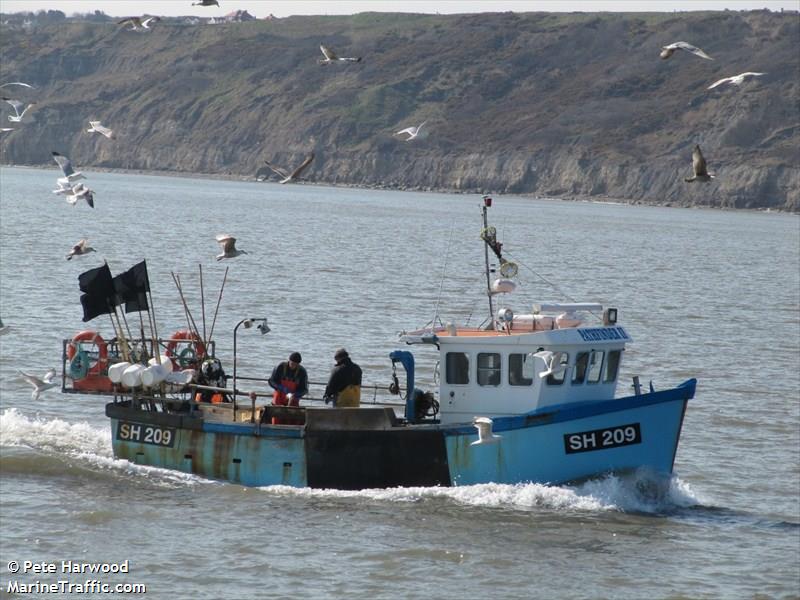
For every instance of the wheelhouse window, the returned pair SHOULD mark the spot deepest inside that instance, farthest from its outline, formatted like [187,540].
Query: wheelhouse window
[581,364]
[488,368]
[612,365]
[519,371]
[595,365]
[457,368]
[557,378]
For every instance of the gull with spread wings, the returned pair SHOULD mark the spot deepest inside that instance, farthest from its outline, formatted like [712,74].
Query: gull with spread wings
[70,174]
[699,167]
[294,175]
[736,79]
[411,132]
[667,51]
[39,385]
[77,192]
[17,106]
[331,56]
[139,23]
[228,244]
[81,248]
[98,127]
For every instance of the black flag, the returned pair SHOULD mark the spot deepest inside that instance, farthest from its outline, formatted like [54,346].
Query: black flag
[131,287]
[98,287]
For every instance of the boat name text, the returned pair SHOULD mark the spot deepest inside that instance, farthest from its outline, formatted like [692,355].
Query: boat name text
[600,334]
[602,439]
[146,434]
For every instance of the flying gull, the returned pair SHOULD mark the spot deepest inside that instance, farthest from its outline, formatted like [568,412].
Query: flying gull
[699,167]
[77,192]
[736,79]
[412,132]
[206,3]
[64,188]
[98,127]
[330,56]
[70,174]
[79,249]
[27,85]
[294,175]
[39,385]
[485,435]
[17,106]
[667,51]
[4,129]
[139,23]
[228,244]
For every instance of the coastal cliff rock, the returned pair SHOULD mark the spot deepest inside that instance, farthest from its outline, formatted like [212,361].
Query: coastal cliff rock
[549,104]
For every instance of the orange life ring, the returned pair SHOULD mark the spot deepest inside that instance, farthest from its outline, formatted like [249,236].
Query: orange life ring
[198,348]
[100,365]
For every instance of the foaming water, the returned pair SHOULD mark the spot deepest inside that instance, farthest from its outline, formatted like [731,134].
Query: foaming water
[611,493]
[71,449]
[53,435]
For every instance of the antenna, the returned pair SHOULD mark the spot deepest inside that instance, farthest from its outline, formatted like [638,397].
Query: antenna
[441,283]
[487,203]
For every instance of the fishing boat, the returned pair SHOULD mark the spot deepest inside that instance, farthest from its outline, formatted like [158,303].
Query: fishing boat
[522,397]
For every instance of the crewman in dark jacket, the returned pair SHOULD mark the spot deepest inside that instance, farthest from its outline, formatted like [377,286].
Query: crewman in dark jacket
[344,385]
[290,382]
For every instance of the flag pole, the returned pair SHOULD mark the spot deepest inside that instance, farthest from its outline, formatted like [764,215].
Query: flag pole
[123,343]
[216,310]
[202,301]
[190,320]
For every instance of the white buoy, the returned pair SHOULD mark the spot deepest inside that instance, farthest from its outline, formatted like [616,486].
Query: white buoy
[153,375]
[115,371]
[503,286]
[132,376]
[166,362]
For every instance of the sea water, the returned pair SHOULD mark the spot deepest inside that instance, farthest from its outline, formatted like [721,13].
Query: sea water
[704,293]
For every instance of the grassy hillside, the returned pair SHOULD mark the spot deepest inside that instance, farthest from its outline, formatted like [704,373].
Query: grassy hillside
[538,103]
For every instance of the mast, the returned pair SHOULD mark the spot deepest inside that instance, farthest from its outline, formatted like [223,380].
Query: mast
[487,202]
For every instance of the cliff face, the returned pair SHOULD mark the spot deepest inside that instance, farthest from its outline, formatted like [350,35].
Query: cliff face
[533,103]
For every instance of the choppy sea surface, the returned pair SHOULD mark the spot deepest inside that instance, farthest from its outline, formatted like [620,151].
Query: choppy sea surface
[708,294]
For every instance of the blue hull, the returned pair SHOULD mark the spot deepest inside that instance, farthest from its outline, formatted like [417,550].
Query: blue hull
[368,448]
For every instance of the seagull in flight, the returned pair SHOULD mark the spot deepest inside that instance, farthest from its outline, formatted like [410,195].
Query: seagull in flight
[206,3]
[63,188]
[330,56]
[736,79]
[98,127]
[70,174]
[228,244]
[81,248]
[39,385]
[27,85]
[294,175]
[485,435]
[412,132]
[667,51]
[77,192]
[553,362]
[699,167]
[17,106]
[4,129]
[139,23]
